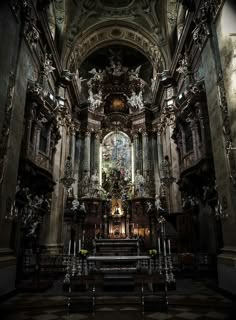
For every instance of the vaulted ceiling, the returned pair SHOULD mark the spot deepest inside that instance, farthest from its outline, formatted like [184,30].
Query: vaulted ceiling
[87,25]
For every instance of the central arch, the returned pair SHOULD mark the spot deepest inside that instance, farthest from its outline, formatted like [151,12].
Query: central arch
[111,33]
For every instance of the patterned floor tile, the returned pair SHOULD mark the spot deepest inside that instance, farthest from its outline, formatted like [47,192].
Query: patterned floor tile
[160,316]
[177,297]
[57,298]
[198,296]
[216,315]
[75,316]
[180,309]
[188,315]
[105,309]
[46,317]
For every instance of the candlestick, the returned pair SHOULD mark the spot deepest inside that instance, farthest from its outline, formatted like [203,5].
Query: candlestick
[83,238]
[164,246]
[74,248]
[169,246]
[159,245]
[69,247]
[79,245]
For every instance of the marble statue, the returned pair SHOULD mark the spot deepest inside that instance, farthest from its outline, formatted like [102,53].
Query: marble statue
[82,208]
[158,203]
[75,205]
[139,183]
[136,100]
[134,73]
[95,100]
[79,80]
[150,206]
[85,184]
[33,228]
[94,184]
[97,75]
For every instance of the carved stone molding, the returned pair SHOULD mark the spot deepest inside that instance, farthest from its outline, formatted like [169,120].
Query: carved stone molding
[31,33]
[6,124]
[230,155]
[201,33]
[23,11]
[107,34]
[207,14]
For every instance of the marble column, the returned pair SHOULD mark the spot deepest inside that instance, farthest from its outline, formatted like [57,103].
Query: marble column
[105,226]
[156,173]
[72,147]
[14,65]
[219,110]
[159,150]
[127,225]
[96,155]
[136,153]
[87,152]
[53,238]
[77,161]
[72,155]
[145,153]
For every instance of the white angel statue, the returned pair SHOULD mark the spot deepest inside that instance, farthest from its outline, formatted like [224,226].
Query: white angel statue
[79,80]
[95,100]
[136,101]
[134,73]
[97,75]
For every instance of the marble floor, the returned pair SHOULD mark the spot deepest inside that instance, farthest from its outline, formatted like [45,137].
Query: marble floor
[192,300]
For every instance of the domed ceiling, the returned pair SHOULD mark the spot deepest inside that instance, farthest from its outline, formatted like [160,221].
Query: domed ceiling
[141,25]
[116,4]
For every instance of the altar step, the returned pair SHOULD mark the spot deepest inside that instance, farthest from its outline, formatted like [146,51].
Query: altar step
[116,247]
[118,282]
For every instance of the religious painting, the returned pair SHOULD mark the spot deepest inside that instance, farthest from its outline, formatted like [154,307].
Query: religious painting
[116,162]
[116,103]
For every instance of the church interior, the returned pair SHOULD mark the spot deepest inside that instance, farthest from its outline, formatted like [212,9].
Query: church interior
[117,159]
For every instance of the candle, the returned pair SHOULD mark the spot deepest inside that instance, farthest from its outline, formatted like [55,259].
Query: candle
[74,248]
[169,246]
[162,228]
[137,227]
[69,247]
[79,245]
[159,245]
[164,245]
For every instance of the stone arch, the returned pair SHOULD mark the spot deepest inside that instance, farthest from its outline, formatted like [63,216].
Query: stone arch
[110,33]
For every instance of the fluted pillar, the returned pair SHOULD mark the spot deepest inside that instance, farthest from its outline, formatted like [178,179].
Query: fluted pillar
[72,155]
[145,153]
[77,161]
[87,152]
[159,150]
[96,153]
[136,152]
[53,239]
